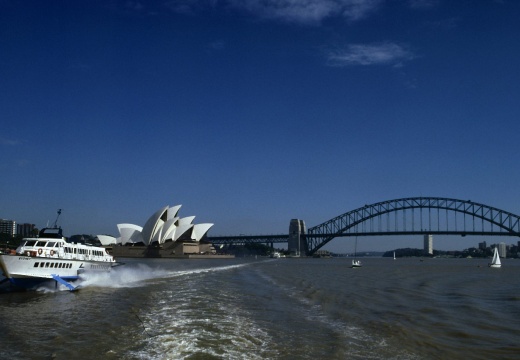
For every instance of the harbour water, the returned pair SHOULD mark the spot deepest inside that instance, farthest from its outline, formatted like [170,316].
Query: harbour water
[272,309]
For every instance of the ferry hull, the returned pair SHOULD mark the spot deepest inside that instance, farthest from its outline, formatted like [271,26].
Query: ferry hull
[28,272]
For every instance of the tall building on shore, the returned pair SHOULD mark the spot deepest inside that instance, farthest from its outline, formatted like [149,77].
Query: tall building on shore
[502,250]
[8,227]
[26,230]
[428,244]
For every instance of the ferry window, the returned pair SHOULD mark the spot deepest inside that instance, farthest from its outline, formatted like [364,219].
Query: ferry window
[36,264]
[41,265]
[30,243]
[52,265]
[51,244]
[46,264]
[41,243]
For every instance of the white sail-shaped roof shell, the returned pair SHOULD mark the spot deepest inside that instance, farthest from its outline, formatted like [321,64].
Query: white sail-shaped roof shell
[163,225]
[158,234]
[173,211]
[106,239]
[185,221]
[181,229]
[169,229]
[130,233]
[199,230]
[152,225]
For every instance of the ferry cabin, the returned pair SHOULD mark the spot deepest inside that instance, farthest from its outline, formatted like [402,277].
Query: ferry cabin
[60,249]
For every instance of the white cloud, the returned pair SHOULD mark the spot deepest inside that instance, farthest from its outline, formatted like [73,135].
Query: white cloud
[307,11]
[8,142]
[297,11]
[302,11]
[423,4]
[359,9]
[369,54]
[217,45]
[186,6]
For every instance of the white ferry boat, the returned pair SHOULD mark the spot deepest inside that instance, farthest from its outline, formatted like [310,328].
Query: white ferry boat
[50,257]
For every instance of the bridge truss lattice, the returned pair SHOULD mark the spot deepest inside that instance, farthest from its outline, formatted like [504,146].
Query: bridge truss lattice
[416,215]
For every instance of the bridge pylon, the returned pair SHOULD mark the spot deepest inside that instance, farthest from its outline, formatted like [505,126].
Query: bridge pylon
[297,246]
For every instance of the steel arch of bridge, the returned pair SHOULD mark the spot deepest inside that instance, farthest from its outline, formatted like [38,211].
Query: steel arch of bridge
[475,217]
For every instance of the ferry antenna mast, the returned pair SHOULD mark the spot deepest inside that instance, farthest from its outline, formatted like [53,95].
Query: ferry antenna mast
[57,217]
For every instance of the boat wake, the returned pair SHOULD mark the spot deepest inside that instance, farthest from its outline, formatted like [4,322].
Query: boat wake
[136,276]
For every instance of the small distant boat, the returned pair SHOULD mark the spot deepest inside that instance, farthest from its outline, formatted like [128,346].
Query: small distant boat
[394,255]
[356,263]
[495,262]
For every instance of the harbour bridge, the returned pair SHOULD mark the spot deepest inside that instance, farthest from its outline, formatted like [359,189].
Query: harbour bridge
[406,216]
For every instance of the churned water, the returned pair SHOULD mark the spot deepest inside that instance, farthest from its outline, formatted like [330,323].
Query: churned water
[272,309]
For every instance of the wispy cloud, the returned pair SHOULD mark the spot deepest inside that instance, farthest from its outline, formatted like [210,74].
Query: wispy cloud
[307,11]
[217,45]
[184,6]
[423,4]
[134,5]
[8,142]
[296,11]
[370,54]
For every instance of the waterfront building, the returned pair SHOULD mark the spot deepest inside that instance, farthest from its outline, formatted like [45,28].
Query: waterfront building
[164,234]
[428,244]
[26,230]
[8,227]
[502,249]
[482,245]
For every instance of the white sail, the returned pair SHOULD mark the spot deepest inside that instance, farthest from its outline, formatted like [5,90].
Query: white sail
[495,262]
[356,263]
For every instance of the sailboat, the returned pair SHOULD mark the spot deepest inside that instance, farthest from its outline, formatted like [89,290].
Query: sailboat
[394,255]
[356,263]
[495,262]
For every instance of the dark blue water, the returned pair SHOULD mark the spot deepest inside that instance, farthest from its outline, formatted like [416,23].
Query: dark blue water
[273,309]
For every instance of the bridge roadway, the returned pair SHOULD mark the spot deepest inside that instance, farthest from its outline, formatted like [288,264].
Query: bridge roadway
[406,216]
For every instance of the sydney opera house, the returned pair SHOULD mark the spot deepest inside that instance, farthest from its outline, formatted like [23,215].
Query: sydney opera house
[164,234]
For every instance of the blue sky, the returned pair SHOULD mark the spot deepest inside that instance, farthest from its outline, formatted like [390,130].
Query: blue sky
[250,113]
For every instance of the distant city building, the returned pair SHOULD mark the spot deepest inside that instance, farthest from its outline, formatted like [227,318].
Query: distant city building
[25,230]
[8,227]
[482,245]
[502,250]
[428,244]
[296,243]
